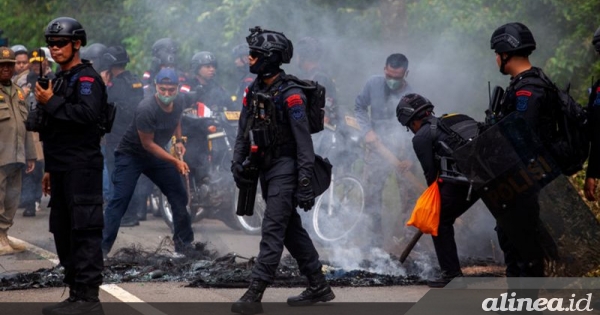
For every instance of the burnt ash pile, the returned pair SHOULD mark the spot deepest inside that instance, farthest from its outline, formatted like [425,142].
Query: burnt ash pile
[204,268]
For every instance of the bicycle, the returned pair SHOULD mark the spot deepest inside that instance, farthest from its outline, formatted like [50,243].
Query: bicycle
[340,208]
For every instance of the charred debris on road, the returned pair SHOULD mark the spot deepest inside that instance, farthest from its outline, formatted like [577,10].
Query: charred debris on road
[202,267]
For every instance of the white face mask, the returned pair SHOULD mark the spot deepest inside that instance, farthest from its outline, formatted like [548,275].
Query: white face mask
[393,84]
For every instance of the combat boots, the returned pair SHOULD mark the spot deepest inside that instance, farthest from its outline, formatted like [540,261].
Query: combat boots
[5,248]
[48,309]
[83,300]
[318,291]
[250,302]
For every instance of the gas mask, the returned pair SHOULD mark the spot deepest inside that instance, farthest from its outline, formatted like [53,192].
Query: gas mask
[266,66]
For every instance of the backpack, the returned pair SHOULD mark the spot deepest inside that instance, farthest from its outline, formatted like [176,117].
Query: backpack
[571,147]
[460,129]
[315,101]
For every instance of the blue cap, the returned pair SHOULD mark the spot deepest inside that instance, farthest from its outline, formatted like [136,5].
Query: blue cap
[166,76]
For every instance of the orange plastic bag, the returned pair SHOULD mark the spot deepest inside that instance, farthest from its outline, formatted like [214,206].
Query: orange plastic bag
[426,214]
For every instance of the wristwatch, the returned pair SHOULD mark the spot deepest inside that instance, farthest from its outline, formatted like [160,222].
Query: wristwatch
[304,182]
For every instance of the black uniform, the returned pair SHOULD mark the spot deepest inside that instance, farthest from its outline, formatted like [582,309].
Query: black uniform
[74,160]
[211,94]
[526,95]
[426,144]
[292,157]
[593,170]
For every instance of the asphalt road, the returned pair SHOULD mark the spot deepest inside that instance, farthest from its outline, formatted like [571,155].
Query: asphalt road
[41,254]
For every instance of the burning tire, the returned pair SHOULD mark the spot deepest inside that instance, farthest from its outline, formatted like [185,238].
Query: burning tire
[338,210]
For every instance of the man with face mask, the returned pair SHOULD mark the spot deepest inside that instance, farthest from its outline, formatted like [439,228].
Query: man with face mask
[141,151]
[381,94]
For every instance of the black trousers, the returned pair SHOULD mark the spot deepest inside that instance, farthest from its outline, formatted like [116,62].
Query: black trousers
[454,204]
[76,220]
[519,239]
[281,227]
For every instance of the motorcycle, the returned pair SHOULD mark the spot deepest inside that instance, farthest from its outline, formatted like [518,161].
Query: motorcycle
[209,138]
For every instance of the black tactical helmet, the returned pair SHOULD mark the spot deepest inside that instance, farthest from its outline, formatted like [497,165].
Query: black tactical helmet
[164,45]
[596,40]
[270,41]
[309,48]
[412,106]
[203,58]
[240,51]
[512,37]
[95,53]
[66,27]
[115,56]
[164,53]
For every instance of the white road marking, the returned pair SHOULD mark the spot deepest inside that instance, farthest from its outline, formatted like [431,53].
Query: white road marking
[112,289]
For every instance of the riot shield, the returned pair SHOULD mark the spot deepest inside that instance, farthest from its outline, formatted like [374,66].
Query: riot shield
[510,169]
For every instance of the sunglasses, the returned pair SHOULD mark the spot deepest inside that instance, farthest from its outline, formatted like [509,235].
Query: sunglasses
[170,90]
[58,43]
[257,54]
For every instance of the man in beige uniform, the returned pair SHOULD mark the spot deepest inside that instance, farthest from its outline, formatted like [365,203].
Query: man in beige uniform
[16,148]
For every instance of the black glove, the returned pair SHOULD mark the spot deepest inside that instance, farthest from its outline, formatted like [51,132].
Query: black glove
[239,176]
[305,196]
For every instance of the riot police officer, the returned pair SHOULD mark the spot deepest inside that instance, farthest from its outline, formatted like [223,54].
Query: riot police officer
[240,59]
[593,170]
[202,87]
[278,125]
[125,90]
[530,98]
[433,145]
[72,106]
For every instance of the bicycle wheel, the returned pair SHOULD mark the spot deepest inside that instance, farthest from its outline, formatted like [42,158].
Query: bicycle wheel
[339,209]
[252,224]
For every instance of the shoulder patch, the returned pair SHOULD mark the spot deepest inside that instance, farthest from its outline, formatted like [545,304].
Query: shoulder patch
[85,88]
[522,100]
[86,79]
[293,100]
[297,113]
[20,94]
[137,85]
